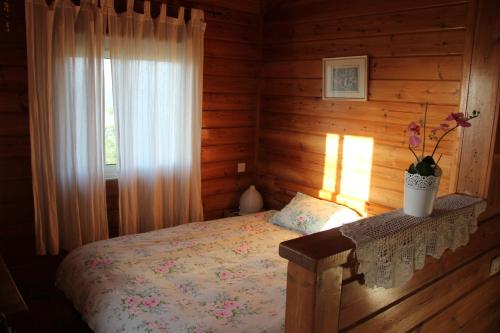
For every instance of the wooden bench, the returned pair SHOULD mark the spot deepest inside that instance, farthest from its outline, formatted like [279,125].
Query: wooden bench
[454,293]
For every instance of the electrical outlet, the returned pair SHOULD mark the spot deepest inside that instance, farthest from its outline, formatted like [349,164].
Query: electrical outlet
[495,266]
[242,167]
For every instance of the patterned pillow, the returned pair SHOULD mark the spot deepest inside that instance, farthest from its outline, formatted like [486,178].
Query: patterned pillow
[309,215]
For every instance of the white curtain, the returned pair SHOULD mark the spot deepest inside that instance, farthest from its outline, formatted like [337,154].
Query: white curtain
[157,67]
[65,57]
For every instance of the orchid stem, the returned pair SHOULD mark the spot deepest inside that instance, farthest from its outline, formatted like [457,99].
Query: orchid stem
[441,138]
[424,125]
[439,159]
[414,154]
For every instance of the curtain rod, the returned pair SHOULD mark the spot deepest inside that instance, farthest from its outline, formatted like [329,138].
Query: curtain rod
[169,3]
[178,3]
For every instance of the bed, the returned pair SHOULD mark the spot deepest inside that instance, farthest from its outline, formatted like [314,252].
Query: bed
[217,276]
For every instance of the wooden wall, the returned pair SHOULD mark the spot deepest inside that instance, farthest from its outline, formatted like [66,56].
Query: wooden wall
[415,51]
[232,57]
[494,190]
[17,243]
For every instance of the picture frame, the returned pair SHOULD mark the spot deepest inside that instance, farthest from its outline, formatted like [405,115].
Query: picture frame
[345,78]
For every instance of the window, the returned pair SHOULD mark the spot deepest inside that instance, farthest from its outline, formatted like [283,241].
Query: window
[110,135]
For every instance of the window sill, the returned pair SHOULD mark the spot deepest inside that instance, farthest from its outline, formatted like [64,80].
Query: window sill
[111,172]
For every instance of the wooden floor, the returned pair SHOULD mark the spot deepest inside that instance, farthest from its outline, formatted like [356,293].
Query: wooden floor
[50,313]
[48,309]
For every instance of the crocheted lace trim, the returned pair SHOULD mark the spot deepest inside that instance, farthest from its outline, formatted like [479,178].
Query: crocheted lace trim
[391,246]
[417,182]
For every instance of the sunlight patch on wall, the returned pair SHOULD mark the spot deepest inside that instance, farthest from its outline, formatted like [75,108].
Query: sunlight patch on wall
[330,168]
[357,152]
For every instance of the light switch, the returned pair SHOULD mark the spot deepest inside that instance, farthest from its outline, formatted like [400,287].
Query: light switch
[242,167]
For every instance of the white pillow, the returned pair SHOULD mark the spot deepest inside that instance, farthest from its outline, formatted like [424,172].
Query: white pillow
[309,215]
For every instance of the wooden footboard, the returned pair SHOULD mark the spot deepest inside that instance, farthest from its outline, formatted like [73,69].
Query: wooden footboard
[454,293]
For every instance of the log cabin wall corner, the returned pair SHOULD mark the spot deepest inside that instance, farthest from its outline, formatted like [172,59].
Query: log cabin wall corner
[355,152]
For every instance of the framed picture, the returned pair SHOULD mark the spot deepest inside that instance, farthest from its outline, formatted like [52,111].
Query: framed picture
[345,78]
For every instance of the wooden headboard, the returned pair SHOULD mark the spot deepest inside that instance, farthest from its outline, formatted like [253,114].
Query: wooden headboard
[454,293]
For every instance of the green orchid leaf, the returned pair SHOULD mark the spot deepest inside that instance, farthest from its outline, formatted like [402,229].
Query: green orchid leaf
[426,166]
[412,169]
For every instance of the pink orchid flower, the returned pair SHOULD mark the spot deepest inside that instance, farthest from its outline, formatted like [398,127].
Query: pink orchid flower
[413,128]
[442,127]
[415,140]
[460,118]
[414,134]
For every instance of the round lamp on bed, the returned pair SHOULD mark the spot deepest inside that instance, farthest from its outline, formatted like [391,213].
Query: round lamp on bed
[250,201]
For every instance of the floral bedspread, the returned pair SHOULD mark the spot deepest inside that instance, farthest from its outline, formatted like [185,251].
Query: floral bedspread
[217,276]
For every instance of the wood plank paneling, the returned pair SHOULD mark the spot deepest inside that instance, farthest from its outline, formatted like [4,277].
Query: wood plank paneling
[401,317]
[390,68]
[434,92]
[217,119]
[419,44]
[393,113]
[231,50]
[478,144]
[409,21]
[230,32]
[472,309]
[14,124]
[225,185]
[415,57]
[230,67]
[417,68]
[226,136]
[222,169]
[227,152]
[318,10]
[486,322]
[238,85]
[222,101]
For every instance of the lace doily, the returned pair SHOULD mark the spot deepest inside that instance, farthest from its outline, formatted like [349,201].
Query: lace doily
[417,182]
[391,246]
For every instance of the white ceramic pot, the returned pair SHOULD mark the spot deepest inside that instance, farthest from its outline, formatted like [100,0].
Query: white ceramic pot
[250,201]
[420,193]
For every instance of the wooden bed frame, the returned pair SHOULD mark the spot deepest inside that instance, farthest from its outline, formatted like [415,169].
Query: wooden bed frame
[454,293]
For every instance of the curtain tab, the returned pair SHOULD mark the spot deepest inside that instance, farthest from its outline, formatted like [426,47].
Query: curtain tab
[104,4]
[197,15]
[130,6]
[180,17]
[163,12]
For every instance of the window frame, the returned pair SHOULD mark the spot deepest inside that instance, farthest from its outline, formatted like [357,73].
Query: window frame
[111,171]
